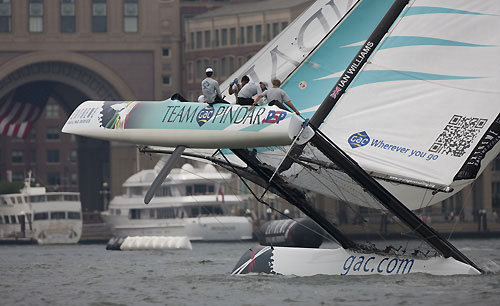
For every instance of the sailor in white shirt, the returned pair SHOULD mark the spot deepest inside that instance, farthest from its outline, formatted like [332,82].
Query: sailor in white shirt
[277,96]
[210,88]
[246,91]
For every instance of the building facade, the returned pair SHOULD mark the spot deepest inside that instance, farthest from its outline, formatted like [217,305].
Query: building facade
[225,38]
[71,51]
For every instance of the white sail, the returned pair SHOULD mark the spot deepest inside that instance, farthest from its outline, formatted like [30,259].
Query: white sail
[292,46]
[420,107]
[428,95]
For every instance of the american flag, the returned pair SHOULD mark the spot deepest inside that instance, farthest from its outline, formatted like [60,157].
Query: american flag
[16,118]
[335,92]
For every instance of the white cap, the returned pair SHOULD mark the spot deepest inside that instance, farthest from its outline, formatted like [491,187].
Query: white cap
[209,70]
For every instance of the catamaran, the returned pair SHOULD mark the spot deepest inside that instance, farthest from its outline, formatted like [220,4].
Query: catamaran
[400,110]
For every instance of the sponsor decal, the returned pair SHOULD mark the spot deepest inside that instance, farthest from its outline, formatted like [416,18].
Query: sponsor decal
[362,139]
[275,116]
[221,114]
[82,115]
[114,115]
[204,115]
[358,140]
[302,85]
[371,264]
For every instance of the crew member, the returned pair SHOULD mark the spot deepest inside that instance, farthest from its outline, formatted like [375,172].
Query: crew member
[210,88]
[277,96]
[246,91]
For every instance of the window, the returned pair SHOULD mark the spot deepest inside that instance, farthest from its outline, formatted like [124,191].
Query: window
[284,24]
[5,16]
[215,65]
[166,80]
[73,156]
[99,16]
[276,29]
[165,213]
[191,41]
[242,35]
[74,215]
[250,34]
[52,111]
[198,69]
[56,215]
[164,191]
[190,71]
[18,176]
[207,39]
[198,40]
[17,157]
[165,52]
[130,16]
[135,214]
[32,135]
[258,33]
[206,63]
[217,38]
[33,157]
[35,16]
[73,179]
[52,134]
[268,32]
[54,178]
[6,219]
[13,219]
[68,24]
[41,216]
[224,37]
[232,36]
[52,156]
[223,66]
[231,65]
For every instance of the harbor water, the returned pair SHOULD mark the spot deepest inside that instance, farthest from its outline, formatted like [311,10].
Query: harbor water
[90,275]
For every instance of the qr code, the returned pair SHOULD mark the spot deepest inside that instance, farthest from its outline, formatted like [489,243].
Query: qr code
[458,135]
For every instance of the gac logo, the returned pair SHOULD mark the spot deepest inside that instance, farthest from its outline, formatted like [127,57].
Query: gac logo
[358,140]
[274,117]
[204,115]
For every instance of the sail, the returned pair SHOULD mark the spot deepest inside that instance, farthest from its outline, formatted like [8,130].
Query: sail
[292,46]
[422,112]
[426,105]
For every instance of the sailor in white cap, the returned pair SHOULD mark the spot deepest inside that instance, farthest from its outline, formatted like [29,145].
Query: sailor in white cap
[210,88]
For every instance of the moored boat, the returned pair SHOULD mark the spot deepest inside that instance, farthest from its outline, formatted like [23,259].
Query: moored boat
[35,215]
[192,203]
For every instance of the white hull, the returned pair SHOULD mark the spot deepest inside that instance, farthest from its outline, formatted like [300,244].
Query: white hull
[220,228]
[307,262]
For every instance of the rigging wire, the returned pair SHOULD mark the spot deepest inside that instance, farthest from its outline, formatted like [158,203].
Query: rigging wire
[271,207]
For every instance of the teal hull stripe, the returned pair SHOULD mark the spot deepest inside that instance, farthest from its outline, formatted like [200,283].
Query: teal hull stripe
[423,10]
[405,41]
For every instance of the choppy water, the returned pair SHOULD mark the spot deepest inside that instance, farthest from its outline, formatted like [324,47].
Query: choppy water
[90,275]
